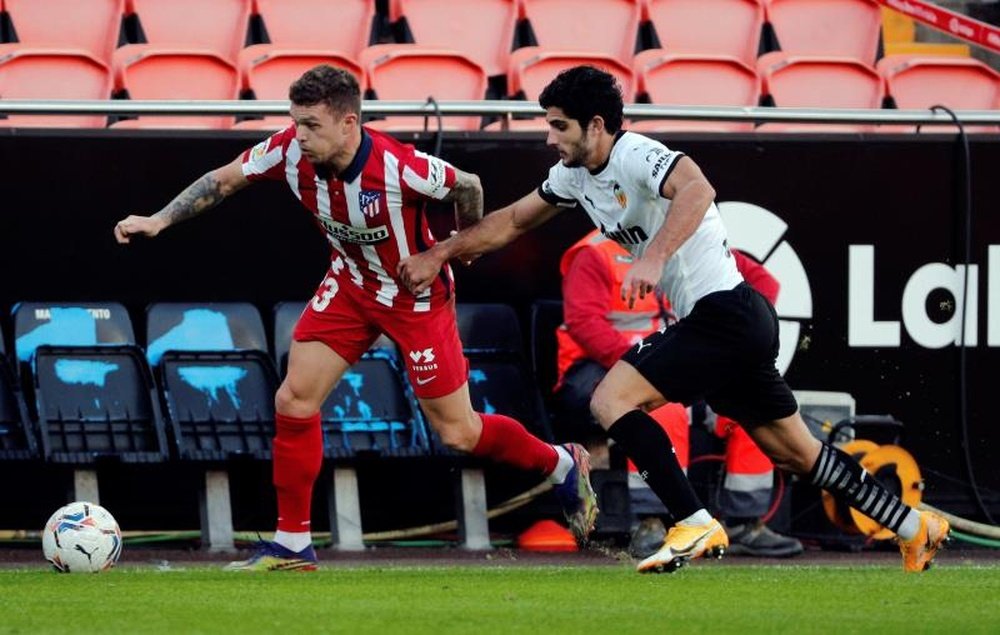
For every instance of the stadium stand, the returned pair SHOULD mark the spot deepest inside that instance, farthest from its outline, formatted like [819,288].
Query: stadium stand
[217,384]
[695,80]
[345,26]
[956,82]
[794,81]
[145,71]
[709,27]
[532,67]
[483,30]
[17,440]
[94,397]
[91,26]
[219,26]
[412,72]
[608,27]
[837,28]
[267,70]
[52,74]
[371,412]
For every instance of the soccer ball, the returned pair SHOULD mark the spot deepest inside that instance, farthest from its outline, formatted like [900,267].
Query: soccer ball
[82,537]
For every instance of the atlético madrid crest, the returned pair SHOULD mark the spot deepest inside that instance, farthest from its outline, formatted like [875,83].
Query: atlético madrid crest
[368,202]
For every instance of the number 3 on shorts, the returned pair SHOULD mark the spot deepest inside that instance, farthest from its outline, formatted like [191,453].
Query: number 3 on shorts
[322,298]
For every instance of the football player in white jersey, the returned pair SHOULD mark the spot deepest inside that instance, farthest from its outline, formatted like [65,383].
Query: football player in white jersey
[658,204]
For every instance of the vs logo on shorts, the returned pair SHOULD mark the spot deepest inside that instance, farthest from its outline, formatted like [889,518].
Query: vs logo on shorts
[368,202]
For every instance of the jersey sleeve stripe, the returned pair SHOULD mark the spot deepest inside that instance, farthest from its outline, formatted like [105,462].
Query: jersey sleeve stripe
[550,198]
[666,173]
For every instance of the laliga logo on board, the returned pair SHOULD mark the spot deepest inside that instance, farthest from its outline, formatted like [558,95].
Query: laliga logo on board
[759,233]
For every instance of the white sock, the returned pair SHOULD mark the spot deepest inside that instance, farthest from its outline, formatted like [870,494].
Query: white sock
[700,517]
[294,540]
[565,464]
[910,526]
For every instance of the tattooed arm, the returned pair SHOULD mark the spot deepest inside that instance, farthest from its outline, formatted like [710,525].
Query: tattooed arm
[467,194]
[202,195]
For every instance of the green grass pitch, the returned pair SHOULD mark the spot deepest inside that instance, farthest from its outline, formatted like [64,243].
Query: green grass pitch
[506,599]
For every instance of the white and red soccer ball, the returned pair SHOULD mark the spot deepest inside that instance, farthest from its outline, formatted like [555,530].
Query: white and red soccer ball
[82,538]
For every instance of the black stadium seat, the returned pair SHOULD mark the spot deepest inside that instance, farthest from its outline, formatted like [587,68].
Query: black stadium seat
[17,441]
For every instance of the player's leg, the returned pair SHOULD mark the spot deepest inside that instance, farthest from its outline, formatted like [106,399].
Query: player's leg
[791,446]
[619,405]
[439,372]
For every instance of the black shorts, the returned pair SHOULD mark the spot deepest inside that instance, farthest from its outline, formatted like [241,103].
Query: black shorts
[723,353]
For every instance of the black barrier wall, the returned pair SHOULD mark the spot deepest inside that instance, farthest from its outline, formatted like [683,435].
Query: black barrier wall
[863,231]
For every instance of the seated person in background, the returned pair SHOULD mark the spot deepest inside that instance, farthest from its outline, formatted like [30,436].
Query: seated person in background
[598,328]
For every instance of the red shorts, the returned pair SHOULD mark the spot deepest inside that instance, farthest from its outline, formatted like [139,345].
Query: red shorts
[348,321]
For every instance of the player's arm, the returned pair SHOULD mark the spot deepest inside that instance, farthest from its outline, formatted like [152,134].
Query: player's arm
[495,230]
[690,194]
[200,196]
[467,195]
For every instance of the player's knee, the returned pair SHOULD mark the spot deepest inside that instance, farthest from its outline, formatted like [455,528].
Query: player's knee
[459,436]
[290,402]
[606,406]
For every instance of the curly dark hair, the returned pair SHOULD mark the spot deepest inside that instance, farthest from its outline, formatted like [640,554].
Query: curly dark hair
[325,84]
[583,92]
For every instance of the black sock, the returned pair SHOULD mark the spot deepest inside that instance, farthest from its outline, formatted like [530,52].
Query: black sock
[838,473]
[649,447]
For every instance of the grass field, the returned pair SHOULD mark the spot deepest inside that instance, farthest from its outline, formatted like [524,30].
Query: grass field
[515,599]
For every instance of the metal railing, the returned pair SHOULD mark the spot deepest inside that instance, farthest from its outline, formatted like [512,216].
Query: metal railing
[501,109]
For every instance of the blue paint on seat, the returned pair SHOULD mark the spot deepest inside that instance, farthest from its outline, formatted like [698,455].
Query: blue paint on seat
[212,379]
[199,330]
[84,372]
[67,326]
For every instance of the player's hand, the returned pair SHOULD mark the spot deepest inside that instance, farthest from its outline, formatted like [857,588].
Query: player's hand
[133,225]
[418,271]
[642,277]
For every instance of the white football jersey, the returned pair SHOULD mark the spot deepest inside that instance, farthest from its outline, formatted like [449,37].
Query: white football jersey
[623,199]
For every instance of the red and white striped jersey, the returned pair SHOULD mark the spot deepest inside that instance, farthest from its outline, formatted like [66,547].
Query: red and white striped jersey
[372,213]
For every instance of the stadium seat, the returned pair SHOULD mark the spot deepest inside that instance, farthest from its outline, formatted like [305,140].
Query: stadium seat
[837,28]
[91,26]
[608,27]
[269,70]
[219,26]
[916,82]
[94,397]
[149,72]
[344,25]
[794,81]
[500,376]
[483,30]
[218,384]
[695,80]
[412,72]
[709,27]
[17,440]
[52,74]
[533,67]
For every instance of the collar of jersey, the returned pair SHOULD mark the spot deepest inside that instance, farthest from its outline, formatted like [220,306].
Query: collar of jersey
[600,168]
[352,171]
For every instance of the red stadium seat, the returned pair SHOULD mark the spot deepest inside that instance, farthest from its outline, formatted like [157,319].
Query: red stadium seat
[609,27]
[795,81]
[412,72]
[269,70]
[711,27]
[695,80]
[483,30]
[916,82]
[533,67]
[219,26]
[149,72]
[840,28]
[331,25]
[92,26]
[52,74]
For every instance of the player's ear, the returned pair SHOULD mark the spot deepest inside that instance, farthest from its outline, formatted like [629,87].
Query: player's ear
[596,124]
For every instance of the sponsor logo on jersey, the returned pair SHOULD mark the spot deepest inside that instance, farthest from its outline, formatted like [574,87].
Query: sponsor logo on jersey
[352,234]
[633,235]
[653,153]
[620,196]
[660,164]
[258,150]
[368,202]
